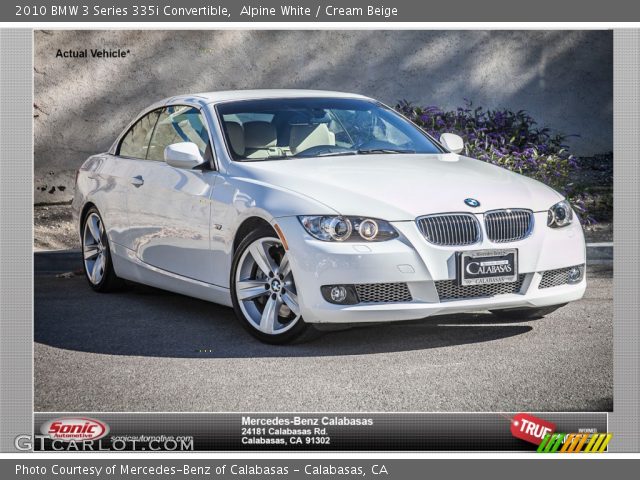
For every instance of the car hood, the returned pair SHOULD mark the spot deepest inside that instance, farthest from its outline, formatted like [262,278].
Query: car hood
[401,186]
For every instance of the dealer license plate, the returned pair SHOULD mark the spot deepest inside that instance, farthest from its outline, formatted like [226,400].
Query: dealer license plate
[487,266]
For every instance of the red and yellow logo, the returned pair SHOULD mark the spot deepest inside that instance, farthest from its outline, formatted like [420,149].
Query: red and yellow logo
[574,443]
[543,433]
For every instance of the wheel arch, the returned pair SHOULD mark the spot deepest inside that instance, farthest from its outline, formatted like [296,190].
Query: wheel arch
[247,226]
[83,214]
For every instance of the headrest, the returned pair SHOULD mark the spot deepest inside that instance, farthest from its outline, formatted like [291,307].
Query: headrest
[236,137]
[260,135]
[310,135]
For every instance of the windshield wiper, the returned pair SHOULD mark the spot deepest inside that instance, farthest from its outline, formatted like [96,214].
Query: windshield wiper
[384,150]
[335,154]
[262,159]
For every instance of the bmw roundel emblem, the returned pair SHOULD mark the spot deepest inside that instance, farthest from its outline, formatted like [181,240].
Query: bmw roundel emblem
[472,202]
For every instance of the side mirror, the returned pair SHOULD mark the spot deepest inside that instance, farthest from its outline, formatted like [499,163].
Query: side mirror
[452,142]
[183,155]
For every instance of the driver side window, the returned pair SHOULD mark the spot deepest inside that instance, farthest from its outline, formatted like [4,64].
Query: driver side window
[136,142]
[179,123]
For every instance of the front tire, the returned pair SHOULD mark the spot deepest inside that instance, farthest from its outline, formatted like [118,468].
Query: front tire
[263,291]
[525,313]
[96,255]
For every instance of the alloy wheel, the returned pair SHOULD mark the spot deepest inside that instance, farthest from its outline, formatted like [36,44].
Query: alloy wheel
[265,287]
[94,248]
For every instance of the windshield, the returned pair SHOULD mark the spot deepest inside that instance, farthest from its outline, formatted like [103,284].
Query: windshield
[316,127]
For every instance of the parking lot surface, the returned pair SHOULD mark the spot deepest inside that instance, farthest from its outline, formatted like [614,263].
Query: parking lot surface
[144,349]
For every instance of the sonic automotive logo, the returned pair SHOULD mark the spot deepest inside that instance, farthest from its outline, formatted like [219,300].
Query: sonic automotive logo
[75,429]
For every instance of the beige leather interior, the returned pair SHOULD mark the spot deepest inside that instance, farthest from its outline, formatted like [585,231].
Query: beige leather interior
[236,137]
[260,139]
[307,136]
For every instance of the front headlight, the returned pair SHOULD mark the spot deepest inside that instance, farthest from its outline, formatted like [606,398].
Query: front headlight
[560,215]
[341,229]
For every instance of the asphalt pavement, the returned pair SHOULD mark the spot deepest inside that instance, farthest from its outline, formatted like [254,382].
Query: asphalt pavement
[147,350]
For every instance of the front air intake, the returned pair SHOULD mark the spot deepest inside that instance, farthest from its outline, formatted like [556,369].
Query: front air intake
[449,290]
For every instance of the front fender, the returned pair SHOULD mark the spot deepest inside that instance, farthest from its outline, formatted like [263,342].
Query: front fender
[235,200]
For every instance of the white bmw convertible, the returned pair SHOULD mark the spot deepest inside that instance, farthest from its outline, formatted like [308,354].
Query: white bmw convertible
[303,207]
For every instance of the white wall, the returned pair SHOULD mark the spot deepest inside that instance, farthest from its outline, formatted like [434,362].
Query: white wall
[563,78]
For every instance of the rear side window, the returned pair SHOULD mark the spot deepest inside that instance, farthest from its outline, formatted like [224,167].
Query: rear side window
[177,124]
[136,142]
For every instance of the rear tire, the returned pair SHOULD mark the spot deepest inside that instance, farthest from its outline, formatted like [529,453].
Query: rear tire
[525,313]
[263,290]
[96,254]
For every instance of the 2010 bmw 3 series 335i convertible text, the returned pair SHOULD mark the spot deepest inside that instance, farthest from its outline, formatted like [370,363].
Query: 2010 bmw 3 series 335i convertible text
[307,207]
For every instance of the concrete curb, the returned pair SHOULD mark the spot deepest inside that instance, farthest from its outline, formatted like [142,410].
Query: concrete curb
[599,252]
[56,261]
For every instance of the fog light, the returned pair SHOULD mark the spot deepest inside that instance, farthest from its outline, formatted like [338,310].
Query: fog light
[575,274]
[340,294]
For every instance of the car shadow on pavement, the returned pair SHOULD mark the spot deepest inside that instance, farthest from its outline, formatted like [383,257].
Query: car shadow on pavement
[144,321]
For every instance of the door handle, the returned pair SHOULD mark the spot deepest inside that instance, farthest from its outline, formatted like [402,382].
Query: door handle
[137,181]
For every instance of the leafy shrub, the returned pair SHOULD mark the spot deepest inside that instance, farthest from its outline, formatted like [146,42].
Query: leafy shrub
[509,139]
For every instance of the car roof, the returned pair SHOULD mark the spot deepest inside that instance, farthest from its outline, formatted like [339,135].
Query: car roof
[229,95]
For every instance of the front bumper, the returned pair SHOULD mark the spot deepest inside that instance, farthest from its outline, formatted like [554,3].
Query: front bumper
[412,260]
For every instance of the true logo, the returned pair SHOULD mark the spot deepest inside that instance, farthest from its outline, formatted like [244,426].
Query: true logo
[472,202]
[531,429]
[73,429]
